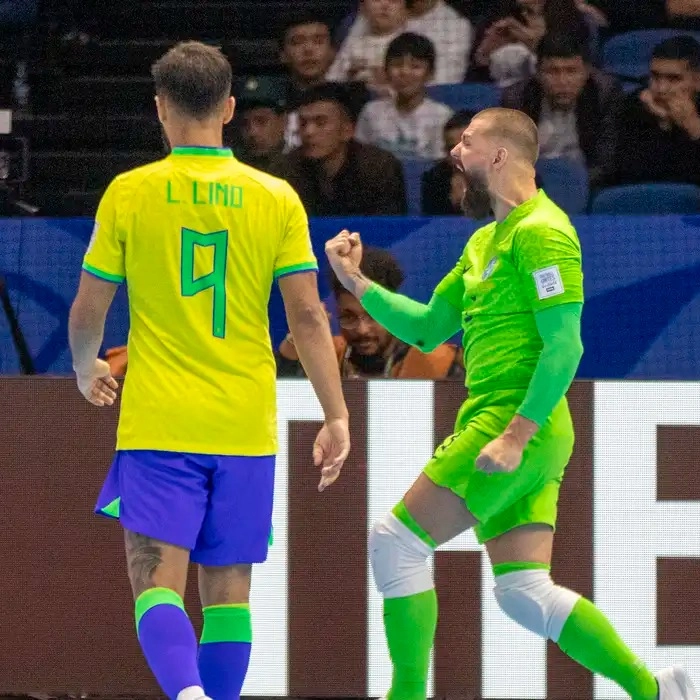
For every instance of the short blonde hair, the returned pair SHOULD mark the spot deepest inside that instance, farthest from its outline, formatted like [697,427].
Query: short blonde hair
[513,126]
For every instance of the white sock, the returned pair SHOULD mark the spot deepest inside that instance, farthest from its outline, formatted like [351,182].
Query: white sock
[194,692]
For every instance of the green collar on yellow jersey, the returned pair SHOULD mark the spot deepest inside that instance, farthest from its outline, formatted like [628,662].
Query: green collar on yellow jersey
[202,151]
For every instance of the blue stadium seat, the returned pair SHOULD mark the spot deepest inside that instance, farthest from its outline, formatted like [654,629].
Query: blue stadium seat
[413,169]
[627,55]
[469,96]
[565,182]
[647,198]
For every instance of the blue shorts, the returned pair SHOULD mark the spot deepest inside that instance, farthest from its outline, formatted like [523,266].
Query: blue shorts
[218,507]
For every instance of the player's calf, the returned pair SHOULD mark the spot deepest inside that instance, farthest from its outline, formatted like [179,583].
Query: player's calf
[225,645]
[527,594]
[158,574]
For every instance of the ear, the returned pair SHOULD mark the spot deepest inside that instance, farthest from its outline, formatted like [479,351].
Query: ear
[348,130]
[500,158]
[229,109]
[161,110]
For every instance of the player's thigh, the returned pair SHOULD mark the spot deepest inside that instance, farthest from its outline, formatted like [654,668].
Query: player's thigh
[152,563]
[224,585]
[532,542]
[160,499]
[237,526]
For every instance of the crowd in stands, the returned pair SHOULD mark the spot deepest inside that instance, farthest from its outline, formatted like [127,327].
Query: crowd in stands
[361,114]
[363,120]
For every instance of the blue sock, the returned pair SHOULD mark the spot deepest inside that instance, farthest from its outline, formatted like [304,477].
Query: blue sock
[224,650]
[168,640]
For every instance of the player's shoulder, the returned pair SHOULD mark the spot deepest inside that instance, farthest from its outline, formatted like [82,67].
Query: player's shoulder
[132,179]
[264,183]
[547,220]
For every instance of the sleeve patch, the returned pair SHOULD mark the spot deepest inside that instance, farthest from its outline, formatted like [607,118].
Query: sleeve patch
[548,282]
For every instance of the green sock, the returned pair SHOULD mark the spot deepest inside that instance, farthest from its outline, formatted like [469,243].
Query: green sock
[590,640]
[410,624]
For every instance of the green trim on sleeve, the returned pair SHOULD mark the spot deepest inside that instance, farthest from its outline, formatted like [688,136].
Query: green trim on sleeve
[560,330]
[424,326]
[291,269]
[117,279]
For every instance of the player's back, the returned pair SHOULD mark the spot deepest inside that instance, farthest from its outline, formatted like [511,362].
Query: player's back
[204,238]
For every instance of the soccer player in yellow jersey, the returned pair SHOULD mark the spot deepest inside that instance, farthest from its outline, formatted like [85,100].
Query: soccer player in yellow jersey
[199,239]
[517,294]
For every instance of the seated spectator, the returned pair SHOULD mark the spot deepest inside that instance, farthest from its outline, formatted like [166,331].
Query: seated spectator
[442,187]
[361,55]
[333,174]
[659,126]
[307,53]
[450,32]
[366,349]
[451,35]
[409,124]
[574,105]
[506,42]
[261,106]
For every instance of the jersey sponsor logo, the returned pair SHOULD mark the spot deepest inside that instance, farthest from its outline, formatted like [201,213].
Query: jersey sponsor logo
[93,236]
[489,269]
[548,282]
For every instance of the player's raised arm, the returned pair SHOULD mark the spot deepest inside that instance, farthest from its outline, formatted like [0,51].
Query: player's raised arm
[308,324]
[424,326]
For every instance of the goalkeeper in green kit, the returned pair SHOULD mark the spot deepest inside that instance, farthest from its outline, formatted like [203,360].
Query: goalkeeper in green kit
[517,293]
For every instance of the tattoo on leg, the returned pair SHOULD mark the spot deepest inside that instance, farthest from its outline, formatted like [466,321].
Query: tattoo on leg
[143,556]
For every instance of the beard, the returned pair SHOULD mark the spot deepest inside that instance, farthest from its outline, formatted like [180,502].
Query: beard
[476,200]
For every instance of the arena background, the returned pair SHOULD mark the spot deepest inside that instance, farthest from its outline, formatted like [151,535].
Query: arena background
[629,519]
[642,286]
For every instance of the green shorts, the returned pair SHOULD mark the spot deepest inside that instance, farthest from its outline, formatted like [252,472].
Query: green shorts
[501,502]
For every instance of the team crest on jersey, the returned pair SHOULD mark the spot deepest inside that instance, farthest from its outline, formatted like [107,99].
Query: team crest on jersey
[489,269]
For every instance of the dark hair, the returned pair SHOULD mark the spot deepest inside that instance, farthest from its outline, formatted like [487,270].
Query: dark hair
[679,48]
[378,265]
[563,46]
[329,92]
[299,20]
[459,120]
[414,45]
[195,76]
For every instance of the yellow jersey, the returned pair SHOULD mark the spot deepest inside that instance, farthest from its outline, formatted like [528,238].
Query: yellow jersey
[199,238]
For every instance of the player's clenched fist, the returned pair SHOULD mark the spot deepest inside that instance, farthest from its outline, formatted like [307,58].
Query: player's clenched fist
[344,254]
[500,455]
[98,386]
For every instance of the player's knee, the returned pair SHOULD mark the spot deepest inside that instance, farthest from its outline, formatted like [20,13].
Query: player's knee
[224,585]
[399,559]
[531,599]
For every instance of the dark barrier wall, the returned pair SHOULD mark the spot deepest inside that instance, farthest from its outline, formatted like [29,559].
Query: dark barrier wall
[628,536]
[642,283]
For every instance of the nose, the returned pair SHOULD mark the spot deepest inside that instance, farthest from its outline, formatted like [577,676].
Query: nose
[455,152]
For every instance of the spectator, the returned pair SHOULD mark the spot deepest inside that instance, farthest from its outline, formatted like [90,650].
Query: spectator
[261,105]
[409,124]
[334,174]
[442,187]
[450,32]
[574,105]
[506,43]
[366,349]
[659,126]
[361,55]
[307,53]
[451,35]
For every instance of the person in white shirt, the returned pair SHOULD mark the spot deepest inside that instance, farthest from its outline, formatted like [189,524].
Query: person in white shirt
[361,56]
[451,34]
[409,124]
